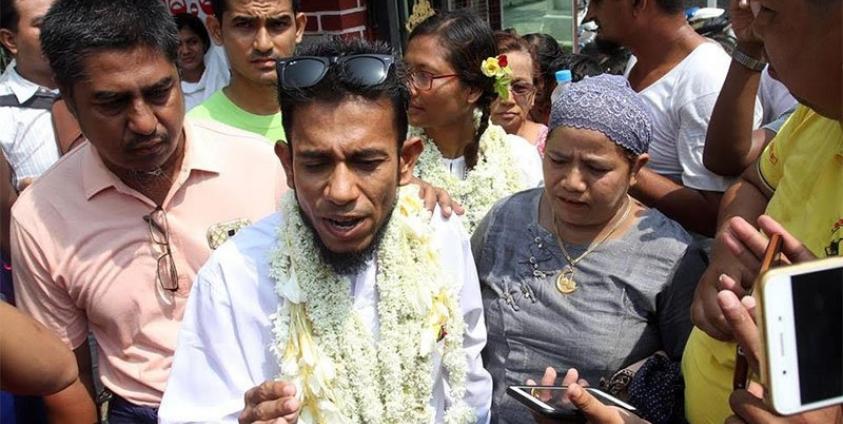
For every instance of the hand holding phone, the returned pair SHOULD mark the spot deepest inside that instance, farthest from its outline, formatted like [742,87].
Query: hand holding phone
[802,327]
[571,402]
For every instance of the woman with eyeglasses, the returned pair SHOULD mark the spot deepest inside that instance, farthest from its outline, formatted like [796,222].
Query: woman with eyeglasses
[513,112]
[451,97]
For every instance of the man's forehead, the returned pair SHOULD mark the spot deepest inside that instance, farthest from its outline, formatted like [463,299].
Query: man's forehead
[259,8]
[351,124]
[105,68]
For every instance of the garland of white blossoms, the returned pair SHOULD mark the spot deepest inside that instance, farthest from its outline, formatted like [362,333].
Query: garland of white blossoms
[341,374]
[494,177]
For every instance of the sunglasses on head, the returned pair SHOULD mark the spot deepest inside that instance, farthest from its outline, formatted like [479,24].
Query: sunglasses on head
[307,71]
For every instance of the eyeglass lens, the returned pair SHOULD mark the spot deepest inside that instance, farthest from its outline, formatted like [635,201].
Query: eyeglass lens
[159,232]
[367,70]
[304,72]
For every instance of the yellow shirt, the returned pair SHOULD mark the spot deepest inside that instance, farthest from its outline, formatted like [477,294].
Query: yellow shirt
[804,165]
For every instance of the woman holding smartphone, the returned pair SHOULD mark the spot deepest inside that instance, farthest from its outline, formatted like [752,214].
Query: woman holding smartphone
[577,274]
[455,75]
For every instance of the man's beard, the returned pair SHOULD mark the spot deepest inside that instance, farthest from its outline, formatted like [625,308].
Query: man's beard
[348,263]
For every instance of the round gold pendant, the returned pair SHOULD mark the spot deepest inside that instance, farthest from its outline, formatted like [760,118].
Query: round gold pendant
[565,283]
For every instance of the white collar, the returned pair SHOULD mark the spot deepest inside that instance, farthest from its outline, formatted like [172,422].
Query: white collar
[21,87]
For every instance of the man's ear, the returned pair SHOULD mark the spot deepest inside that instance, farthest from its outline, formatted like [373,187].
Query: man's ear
[69,101]
[214,29]
[301,23]
[410,152]
[285,154]
[639,163]
[639,6]
[7,38]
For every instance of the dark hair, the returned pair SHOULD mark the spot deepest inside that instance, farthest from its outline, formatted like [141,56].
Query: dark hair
[469,41]
[580,65]
[220,6]
[547,51]
[509,41]
[74,29]
[9,15]
[671,6]
[337,85]
[195,25]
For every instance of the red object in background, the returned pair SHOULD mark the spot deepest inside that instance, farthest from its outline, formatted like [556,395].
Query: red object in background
[206,7]
[177,6]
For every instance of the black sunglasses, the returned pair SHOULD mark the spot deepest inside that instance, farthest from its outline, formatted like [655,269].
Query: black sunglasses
[307,71]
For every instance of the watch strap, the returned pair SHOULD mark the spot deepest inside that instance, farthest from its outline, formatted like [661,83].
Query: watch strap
[748,61]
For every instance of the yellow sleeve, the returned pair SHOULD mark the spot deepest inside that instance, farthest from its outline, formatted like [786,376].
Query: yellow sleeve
[771,163]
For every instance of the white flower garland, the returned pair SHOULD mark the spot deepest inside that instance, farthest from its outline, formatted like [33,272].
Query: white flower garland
[494,177]
[342,375]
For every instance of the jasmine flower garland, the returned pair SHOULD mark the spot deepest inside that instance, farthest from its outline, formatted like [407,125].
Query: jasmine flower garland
[342,375]
[494,177]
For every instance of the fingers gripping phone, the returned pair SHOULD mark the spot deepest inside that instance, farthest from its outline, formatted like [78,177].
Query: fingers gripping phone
[552,402]
[802,328]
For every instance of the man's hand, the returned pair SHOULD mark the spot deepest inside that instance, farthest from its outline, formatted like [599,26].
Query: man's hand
[735,262]
[744,241]
[271,402]
[748,404]
[742,19]
[433,196]
[750,409]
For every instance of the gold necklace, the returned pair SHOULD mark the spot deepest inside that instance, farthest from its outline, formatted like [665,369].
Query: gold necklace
[565,281]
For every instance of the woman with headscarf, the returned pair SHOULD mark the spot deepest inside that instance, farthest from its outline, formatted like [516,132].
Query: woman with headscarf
[577,274]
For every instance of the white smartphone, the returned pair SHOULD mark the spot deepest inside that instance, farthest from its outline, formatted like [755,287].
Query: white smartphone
[802,327]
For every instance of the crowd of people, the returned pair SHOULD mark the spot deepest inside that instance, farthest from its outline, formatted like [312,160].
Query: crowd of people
[222,223]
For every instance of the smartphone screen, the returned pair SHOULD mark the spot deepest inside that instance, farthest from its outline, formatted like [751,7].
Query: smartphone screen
[551,400]
[818,321]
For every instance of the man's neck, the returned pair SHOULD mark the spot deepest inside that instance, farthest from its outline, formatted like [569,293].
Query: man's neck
[155,184]
[41,78]
[453,138]
[259,99]
[660,48]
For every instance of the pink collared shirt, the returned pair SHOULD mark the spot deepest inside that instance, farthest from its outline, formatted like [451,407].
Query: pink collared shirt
[83,258]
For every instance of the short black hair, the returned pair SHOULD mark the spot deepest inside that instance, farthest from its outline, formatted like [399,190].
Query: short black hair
[337,85]
[9,16]
[671,6]
[194,24]
[580,65]
[220,6]
[74,29]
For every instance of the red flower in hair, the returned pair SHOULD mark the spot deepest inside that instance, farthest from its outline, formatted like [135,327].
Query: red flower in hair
[502,61]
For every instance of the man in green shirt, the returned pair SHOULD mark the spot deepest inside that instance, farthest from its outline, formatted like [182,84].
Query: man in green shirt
[254,33]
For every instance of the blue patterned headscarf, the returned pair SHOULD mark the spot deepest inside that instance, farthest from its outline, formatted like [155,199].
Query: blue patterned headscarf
[607,104]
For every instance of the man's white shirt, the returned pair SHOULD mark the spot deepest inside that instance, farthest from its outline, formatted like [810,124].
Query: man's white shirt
[224,343]
[26,135]
[681,102]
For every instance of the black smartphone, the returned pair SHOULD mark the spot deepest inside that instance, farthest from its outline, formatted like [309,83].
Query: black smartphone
[551,401]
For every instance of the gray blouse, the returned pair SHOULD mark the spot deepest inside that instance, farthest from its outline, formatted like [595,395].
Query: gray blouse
[633,298]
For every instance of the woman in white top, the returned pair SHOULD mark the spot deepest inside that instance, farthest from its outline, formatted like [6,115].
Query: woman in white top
[201,76]
[451,96]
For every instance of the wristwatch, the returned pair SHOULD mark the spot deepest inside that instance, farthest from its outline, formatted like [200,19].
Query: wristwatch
[748,61]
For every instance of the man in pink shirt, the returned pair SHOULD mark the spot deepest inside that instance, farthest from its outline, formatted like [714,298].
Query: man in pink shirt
[109,240]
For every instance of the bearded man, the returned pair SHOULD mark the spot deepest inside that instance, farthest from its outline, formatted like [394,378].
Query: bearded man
[352,303]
